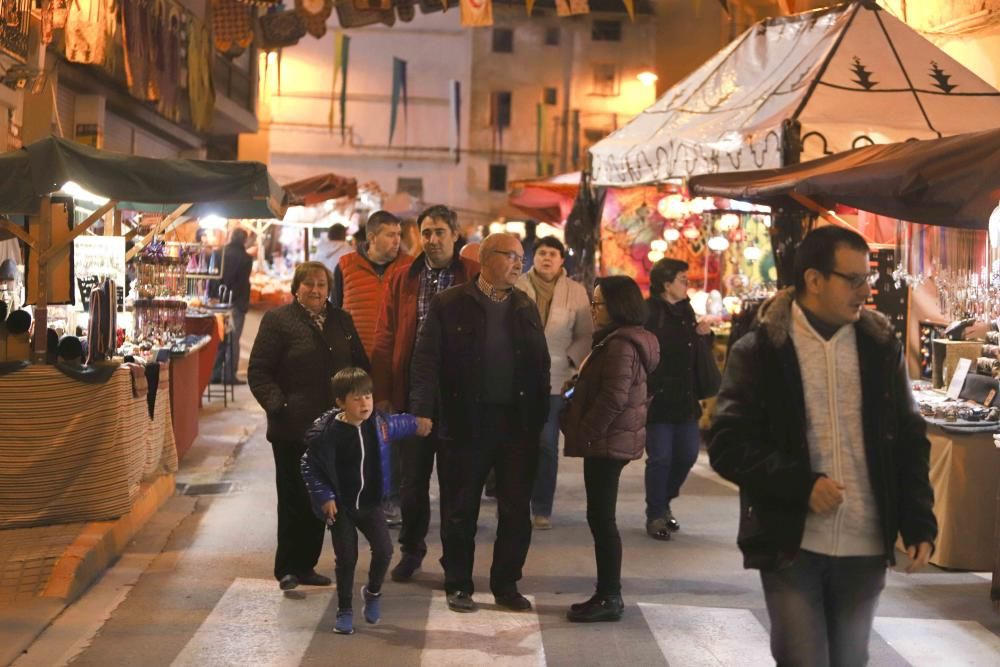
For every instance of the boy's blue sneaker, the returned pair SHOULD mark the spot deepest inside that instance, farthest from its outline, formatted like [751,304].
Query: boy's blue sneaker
[345,622]
[373,605]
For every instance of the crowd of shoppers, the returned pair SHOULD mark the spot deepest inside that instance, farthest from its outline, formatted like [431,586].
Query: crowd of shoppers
[483,366]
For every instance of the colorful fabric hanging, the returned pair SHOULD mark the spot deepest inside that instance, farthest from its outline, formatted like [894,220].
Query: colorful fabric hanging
[341,56]
[232,25]
[137,45]
[572,7]
[314,14]
[168,61]
[529,5]
[87,31]
[398,93]
[476,13]
[201,89]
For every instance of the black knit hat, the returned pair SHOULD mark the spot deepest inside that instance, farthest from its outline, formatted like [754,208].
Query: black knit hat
[19,322]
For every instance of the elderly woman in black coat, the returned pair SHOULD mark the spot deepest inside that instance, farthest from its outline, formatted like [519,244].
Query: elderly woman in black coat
[298,348]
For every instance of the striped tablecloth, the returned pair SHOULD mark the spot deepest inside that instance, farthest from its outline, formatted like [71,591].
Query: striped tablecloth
[72,451]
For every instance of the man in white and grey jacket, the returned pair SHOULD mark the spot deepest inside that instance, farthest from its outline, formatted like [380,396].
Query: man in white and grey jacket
[817,425]
[565,310]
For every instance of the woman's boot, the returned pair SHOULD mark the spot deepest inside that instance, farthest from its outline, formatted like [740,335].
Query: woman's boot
[597,609]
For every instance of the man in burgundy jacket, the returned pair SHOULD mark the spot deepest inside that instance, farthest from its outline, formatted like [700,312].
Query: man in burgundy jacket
[407,301]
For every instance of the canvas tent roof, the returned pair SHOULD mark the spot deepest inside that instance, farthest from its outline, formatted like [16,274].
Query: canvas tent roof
[952,182]
[229,189]
[851,75]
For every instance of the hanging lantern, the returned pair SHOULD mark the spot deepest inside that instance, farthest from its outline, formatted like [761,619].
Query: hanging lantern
[690,232]
[728,222]
[718,244]
[672,207]
[671,234]
[752,253]
[701,204]
[658,245]
[655,255]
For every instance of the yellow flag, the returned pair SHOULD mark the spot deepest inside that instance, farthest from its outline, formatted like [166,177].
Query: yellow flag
[530,4]
[477,13]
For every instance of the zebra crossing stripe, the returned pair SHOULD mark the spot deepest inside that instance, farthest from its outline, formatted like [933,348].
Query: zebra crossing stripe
[253,624]
[931,642]
[492,636]
[707,636]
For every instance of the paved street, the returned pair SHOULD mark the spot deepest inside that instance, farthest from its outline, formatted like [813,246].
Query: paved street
[194,589]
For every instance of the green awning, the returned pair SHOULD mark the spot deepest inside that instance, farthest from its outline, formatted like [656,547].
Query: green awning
[231,189]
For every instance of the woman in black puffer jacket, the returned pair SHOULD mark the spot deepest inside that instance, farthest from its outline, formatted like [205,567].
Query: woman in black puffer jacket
[672,435]
[605,423]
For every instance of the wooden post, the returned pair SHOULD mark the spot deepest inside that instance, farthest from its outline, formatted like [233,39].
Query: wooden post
[170,219]
[43,242]
[305,249]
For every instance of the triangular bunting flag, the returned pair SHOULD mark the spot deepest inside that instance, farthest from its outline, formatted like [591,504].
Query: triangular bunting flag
[530,5]
[630,8]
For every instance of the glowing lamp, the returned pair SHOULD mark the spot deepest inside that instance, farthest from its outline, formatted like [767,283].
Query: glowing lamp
[752,253]
[690,232]
[654,255]
[647,78]
[718,243]
[729,222]
[658,245]
[671,234]
[212,222]
[672,207]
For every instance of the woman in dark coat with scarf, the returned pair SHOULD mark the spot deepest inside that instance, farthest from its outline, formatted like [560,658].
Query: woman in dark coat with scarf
[298,348]
[672,435]
[605,422]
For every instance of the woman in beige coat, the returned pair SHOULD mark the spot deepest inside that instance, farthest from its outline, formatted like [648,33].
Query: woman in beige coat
[565,310]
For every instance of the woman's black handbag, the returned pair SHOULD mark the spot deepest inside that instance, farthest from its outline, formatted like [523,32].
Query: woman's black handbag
[706,372]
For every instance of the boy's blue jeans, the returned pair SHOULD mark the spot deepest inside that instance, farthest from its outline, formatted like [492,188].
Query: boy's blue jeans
[822,609]
[544,492]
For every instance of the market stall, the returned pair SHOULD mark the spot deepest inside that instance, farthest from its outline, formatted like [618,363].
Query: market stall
[48,191]
[953,182]
[314,203]
[790,89]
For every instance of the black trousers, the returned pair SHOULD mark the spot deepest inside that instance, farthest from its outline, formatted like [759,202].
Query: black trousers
[370,522]
[600,478]
[464,465]
[300,533]
[417,464]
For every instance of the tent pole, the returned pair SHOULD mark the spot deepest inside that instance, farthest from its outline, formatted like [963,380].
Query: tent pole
[78,230]
[140,244]
[827,215]
[305,243]
[18,231]
[40,343]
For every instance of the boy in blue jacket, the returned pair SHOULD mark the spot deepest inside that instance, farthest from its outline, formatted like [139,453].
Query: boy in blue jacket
[346,471]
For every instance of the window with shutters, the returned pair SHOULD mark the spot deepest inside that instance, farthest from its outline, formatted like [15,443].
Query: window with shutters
[606,31]
[498,178]
[605,80]
[500,109]
[503,40]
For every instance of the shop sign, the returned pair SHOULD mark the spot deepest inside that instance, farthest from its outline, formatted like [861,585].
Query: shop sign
[15,19]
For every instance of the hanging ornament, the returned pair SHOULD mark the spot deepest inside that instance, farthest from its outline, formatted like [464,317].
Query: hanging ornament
[690,232]
[672,207]
[314,14]
[671,234]
[718,243]
[728,222]
[659,245]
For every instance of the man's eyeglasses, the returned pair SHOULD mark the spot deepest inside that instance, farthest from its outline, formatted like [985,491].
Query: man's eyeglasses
[856,280]
[511,255]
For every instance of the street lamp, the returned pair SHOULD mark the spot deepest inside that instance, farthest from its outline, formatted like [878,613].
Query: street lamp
[647,77]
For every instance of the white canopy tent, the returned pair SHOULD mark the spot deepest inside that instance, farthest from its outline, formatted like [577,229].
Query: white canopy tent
[850,75]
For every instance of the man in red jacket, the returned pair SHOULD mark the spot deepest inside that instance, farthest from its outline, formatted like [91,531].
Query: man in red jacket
[362,277]
[411,287]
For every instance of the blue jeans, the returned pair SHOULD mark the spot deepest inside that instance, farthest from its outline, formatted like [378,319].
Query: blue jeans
[822,609]
[671,450]
[548,461]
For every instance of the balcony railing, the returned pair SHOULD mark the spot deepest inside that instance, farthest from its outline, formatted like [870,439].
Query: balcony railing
[15,19]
